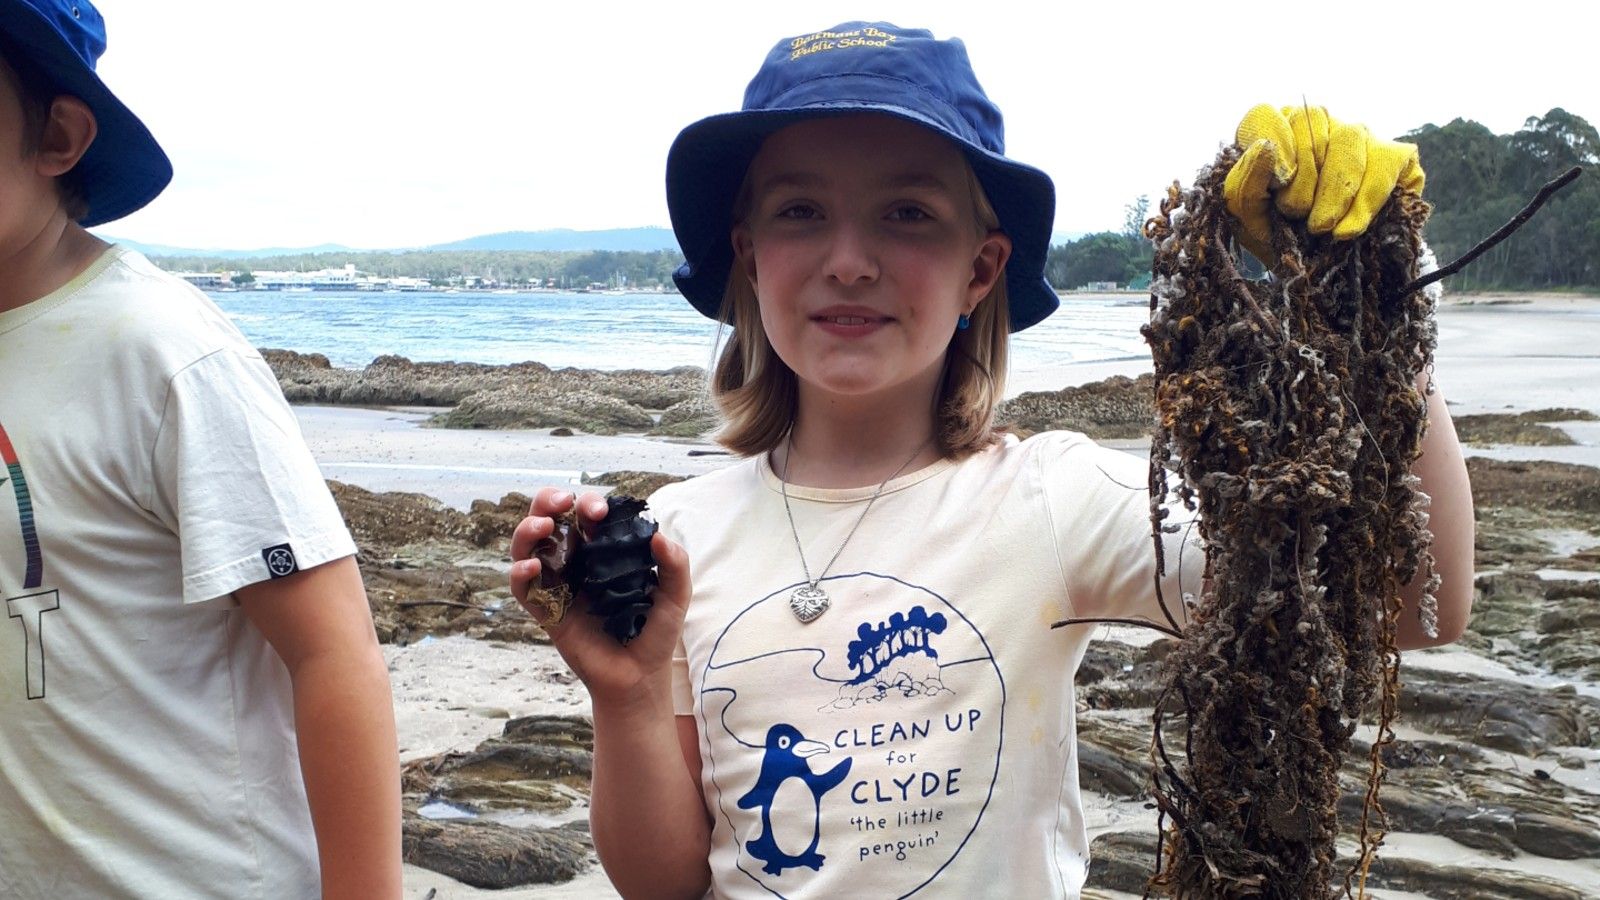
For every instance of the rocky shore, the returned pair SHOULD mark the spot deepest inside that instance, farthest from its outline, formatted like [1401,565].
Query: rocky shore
[525,395]
[1493,789]
[669,403]
[1118,408]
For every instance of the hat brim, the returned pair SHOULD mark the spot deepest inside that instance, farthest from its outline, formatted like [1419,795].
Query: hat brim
[124,168]
[708,161]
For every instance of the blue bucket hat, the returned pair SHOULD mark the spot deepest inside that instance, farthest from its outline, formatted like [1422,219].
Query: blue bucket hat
[857,67]
[124,168]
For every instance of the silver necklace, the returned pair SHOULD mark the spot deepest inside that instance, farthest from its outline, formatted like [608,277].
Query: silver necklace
[810,601]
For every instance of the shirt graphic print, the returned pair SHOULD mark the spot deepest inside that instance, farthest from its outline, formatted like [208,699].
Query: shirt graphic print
[867,741]
[22,579]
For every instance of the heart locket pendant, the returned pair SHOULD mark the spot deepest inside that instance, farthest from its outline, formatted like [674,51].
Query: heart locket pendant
[808,602]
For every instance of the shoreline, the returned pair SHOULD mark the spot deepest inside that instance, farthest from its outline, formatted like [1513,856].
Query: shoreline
[389,450]
[1492,359]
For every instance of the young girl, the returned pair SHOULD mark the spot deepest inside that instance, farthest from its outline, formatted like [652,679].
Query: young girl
[857,691]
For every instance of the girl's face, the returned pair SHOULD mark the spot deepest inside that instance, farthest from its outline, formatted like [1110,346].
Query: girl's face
[863,249]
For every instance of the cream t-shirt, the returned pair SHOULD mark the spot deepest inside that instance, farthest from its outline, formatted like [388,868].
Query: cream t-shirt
[919,736]
[152,467]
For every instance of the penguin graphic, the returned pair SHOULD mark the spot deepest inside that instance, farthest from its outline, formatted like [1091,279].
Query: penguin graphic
[787,750]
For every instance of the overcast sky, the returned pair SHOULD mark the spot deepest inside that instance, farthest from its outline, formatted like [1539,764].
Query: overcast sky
[387,123]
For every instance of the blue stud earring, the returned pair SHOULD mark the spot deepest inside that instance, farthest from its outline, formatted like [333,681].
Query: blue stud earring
[964,322]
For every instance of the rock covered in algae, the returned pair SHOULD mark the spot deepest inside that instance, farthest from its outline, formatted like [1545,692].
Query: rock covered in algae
[613,569]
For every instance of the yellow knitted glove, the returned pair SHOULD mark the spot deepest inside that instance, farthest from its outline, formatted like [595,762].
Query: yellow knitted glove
[1334,175]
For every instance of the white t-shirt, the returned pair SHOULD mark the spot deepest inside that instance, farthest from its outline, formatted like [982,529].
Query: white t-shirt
[920,735]
[152,467]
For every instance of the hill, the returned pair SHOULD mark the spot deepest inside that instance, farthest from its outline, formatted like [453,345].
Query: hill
[558,240]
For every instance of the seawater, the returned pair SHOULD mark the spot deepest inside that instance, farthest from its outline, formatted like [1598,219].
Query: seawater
[595,331]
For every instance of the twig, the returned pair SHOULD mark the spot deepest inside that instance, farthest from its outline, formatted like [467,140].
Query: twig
[1114,621]
[1504,231]
[1242,289]
[408,604]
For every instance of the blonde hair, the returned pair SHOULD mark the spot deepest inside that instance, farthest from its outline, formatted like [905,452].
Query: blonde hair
[758,394]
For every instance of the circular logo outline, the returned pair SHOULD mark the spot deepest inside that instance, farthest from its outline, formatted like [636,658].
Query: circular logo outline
[783,592]
[280,561]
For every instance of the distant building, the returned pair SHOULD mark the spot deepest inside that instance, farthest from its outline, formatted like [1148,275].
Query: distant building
[345,279]
[207,280]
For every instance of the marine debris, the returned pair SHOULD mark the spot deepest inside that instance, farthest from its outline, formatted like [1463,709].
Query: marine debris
[612,569]
[1291,410]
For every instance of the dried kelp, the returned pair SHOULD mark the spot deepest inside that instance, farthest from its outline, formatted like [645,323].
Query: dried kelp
[1291,412]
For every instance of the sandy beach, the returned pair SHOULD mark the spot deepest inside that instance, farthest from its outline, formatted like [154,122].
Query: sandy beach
[453,692]
[390,450]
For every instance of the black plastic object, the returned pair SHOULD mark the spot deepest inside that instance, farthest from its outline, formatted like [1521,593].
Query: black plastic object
[615,569]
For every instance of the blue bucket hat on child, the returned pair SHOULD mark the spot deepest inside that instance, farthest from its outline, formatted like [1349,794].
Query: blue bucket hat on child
[124,168]
[857,67]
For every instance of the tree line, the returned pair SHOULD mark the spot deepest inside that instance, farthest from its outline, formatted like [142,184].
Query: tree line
[562,267]
[1476,181]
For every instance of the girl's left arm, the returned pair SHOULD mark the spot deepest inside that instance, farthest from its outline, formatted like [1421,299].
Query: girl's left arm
[1443,472]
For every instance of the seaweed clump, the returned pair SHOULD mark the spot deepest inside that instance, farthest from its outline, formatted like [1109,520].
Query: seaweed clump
[1291,412]
[613,569]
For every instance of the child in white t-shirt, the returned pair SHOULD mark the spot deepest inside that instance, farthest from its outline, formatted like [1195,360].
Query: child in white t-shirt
[856,691]
[192,699]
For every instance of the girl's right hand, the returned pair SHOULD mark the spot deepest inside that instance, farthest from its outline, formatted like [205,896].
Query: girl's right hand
[613,673]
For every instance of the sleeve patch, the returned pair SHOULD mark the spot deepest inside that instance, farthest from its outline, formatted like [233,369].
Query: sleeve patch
[280,560]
